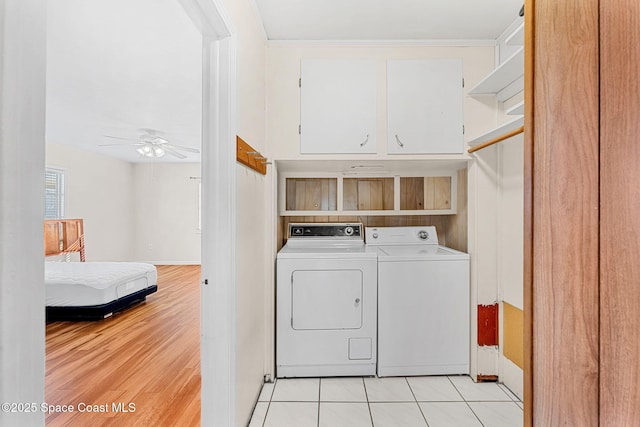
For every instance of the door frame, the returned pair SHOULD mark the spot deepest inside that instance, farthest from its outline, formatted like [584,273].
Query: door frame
[218,211]
[22,151]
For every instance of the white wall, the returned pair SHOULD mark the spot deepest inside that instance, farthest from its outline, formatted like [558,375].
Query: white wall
[99,190]
[283,96]
[165,213]
[511,247]
[254,266]
[511,217]
[145,212]
[22,116]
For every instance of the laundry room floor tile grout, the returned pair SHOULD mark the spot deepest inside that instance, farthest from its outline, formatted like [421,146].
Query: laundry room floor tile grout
[482,403]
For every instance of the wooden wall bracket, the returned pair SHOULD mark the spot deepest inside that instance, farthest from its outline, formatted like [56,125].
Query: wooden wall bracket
[248,156]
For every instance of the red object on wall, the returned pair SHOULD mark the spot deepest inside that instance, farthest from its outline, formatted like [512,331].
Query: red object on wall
[488,324]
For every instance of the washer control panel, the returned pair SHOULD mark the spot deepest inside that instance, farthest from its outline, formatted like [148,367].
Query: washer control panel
[337,230]
[424,235]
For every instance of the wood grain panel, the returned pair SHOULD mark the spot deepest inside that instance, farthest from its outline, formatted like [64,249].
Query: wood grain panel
[148,355]
[300,193]
[527,273]
[437,192]
[375,195]
[364,196]
[291,201]
[281,230]
[456,229]
[442,192]
[367,194]
[333,194]
[350,194]
[387,193]
[311,194]
[619,210]
[412,193]
[429,194]
[564,208]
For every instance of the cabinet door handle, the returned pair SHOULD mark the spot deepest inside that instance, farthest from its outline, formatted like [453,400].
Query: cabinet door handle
[363,143]
[399,142]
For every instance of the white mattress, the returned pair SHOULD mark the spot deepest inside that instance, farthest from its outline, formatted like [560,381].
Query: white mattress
[77,284]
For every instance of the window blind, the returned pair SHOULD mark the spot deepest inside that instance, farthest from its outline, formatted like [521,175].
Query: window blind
[54,205]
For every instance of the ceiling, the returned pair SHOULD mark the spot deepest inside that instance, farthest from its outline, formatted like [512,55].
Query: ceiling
[117,66]
[387,19]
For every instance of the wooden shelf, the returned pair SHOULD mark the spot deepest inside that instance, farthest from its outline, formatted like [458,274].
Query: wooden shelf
[516,110]
[432,193]
[500,130]
[517,37]
[504,81]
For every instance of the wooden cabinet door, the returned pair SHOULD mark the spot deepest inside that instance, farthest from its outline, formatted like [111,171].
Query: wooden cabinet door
[338,106]
[424,101]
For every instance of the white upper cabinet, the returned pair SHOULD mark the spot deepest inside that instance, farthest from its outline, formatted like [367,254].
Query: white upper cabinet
[425,106]
[338,106]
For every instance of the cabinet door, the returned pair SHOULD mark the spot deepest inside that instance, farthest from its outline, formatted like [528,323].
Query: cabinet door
[424,101]
[338,106]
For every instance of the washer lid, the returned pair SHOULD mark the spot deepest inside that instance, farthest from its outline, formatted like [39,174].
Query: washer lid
[419,253]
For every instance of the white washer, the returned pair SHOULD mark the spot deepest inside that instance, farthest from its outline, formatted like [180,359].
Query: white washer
[326,302]
[423,303]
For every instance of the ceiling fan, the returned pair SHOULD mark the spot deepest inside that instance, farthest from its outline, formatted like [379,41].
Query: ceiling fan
[151,143]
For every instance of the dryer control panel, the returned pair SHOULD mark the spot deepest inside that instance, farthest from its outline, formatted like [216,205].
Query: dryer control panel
[335,230]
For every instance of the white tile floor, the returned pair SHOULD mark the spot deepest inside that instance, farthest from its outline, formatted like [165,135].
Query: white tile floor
[454,401]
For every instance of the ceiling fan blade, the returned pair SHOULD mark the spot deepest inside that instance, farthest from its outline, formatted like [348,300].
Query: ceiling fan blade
[117,137]
[174,152]
[180,147]
[119,145]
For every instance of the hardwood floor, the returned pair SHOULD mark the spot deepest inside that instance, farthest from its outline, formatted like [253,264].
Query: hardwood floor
[147,359]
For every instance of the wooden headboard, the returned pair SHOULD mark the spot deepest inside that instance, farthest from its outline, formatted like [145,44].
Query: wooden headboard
[63,236]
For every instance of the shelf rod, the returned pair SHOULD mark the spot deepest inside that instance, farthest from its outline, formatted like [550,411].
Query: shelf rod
[496,140]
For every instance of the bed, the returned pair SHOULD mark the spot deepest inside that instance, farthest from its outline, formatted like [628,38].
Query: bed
[89,290]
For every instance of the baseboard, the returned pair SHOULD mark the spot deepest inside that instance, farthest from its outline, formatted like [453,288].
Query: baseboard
[512,377]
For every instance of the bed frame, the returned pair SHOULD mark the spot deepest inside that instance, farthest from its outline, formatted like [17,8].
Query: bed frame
[66,236]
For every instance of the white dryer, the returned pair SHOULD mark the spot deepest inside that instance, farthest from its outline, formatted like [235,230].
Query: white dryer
[423,303]
[326,302]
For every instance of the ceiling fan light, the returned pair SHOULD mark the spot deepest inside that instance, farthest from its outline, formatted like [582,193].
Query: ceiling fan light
[158,151]
[140,151]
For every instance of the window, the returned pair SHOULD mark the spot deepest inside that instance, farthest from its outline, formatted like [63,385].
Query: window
[54,191]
